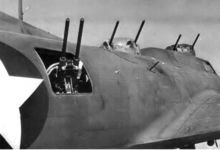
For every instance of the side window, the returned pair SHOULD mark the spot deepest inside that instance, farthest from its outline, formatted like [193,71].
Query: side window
[105,45]
[72,78]
[132,46]
[208,67]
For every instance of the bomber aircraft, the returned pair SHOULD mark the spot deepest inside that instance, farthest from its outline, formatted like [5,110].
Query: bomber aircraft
[56,94]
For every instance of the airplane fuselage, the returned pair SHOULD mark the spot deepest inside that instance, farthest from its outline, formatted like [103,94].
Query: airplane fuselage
[130,104]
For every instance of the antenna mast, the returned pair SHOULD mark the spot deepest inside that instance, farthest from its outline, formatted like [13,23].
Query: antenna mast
[20,10]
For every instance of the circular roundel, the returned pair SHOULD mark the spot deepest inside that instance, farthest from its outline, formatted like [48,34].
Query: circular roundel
[24,99]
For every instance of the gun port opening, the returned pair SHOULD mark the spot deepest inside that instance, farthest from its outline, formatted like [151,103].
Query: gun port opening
[66,76]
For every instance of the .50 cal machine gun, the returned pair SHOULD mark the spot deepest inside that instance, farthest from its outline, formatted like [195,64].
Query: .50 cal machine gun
[66,75]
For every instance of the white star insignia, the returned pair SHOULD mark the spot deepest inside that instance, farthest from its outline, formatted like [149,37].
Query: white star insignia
[14,91]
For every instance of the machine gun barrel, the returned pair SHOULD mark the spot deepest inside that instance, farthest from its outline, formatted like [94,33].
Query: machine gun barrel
[66,30]
[79,40]
[174,48]
[113,34]
[195,41]
[139,31]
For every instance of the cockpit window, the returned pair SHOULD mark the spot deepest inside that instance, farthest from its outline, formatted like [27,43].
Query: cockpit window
[70,78]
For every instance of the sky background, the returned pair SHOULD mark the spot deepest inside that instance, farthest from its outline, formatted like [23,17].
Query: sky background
[165,20]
